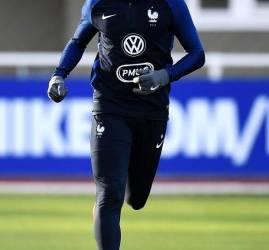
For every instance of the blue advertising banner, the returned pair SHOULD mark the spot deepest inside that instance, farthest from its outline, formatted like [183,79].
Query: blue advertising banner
[218,130]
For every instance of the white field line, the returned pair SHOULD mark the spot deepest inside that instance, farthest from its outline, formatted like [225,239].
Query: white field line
[159,188]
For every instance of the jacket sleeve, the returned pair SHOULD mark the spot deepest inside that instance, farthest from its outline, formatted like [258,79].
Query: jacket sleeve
[185,31]
[76,46]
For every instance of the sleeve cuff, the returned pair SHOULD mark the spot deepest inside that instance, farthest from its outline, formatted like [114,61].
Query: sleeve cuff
[169,69]
[59,71]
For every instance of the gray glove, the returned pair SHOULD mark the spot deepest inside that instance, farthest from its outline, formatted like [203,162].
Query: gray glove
[150,81]
[57,91]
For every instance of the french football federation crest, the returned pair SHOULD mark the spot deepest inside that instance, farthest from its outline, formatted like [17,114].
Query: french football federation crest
[153,16]
[100,129]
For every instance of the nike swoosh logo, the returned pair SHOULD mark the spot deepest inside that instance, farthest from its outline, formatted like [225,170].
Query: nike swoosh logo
[106,17]
[154,88]
[159,144]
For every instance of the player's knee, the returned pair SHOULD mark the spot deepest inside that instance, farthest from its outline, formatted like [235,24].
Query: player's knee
[135,204]
[109,195]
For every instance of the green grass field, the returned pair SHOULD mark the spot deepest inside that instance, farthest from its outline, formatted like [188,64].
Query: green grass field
[167,223]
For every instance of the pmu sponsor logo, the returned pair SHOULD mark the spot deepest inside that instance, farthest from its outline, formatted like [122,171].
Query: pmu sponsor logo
[199,128]
[127,72]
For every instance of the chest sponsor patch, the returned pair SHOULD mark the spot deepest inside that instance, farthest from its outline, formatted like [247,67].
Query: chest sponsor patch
[127,72]
[133,45]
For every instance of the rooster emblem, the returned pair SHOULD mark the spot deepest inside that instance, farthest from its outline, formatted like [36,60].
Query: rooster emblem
[153,16]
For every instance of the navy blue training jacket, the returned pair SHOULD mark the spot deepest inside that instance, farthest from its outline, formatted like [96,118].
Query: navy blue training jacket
[133,34]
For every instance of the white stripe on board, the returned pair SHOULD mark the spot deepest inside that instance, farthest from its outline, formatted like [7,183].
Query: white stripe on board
[159,188]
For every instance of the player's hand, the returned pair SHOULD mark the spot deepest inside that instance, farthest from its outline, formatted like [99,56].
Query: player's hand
[57,91]
[150,81]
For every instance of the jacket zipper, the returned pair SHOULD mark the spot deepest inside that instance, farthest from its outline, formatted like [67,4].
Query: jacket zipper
[130,5]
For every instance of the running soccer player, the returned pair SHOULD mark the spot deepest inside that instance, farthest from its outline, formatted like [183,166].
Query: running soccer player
[131,78]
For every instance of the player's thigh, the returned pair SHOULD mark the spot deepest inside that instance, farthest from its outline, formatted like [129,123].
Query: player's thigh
[144,160]
[110,146]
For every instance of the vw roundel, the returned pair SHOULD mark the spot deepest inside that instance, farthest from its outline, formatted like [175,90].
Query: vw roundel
[133,45]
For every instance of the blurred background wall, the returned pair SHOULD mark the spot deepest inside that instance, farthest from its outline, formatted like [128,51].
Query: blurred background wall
[218,125]
[224,26]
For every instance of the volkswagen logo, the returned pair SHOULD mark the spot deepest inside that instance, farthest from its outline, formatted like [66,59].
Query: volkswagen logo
[133,45]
